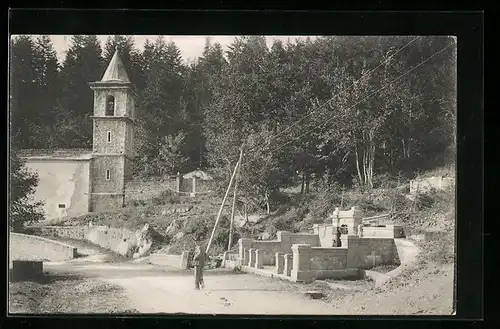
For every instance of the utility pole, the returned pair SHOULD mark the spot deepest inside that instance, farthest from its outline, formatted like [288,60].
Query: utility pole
[234,202]
[222,205]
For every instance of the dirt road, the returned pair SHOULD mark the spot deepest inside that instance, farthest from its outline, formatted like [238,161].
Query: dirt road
[154,290]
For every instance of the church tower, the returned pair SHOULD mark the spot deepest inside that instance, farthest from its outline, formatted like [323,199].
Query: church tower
[114,119]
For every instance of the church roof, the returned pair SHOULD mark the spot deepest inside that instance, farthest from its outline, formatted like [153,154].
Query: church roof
[69,154]
[116,70]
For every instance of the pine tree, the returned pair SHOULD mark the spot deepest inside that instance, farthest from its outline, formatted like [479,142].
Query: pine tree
[23,87]
[129,55]
[83,64]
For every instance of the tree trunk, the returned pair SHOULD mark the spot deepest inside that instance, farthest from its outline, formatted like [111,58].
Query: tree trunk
[371,158]
[357,164]
[268,208]
[245,210]
[307,181]
[302,183]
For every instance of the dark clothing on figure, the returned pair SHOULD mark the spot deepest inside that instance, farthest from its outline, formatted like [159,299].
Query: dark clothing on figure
[199,262]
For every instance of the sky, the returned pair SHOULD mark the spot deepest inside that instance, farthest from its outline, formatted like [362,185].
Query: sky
[191,47]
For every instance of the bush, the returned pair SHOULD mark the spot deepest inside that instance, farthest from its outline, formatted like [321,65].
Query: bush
[326,202]
[166,197]
[139,203]
[23,208]
[425,200]
[197,228]
[368,207]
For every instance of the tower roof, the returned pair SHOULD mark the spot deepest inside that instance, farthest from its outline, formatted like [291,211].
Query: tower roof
[116,70]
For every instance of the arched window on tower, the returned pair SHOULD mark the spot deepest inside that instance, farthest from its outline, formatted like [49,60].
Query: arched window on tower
[110,106]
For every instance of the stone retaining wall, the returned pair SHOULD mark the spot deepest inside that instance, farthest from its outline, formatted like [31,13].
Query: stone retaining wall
[31,247]
[121,241]
[175,261]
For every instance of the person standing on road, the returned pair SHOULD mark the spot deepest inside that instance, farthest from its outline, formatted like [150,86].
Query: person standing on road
[199,262]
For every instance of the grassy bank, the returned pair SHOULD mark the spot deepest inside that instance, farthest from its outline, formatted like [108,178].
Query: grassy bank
[66,293]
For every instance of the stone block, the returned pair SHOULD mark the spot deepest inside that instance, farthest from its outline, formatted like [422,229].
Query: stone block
[302,276]
[301,257]
[26,269]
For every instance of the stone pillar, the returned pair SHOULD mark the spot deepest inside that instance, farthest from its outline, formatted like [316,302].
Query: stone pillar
[354,252]
[288,262]
[357,219]
[301,270]
[178,183]
[316,228]
[280,263]
[193,193]
[259,258]
[243,245]
[251,257]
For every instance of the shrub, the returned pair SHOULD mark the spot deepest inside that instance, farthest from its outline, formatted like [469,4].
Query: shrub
[166,197]
[325,203]
[23,208]
[425,200]
[139,203]
[368,207]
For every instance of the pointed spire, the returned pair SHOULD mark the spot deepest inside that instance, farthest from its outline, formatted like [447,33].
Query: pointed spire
[116,70]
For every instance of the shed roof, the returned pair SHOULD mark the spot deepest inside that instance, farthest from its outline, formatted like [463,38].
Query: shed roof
[198,174]
[67,154]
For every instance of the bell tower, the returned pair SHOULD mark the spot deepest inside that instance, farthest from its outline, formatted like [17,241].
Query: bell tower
[113,129]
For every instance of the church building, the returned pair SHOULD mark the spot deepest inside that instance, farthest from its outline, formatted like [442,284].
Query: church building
[73,182]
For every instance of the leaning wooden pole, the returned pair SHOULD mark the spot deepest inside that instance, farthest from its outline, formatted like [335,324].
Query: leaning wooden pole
[222,206]
[234,202]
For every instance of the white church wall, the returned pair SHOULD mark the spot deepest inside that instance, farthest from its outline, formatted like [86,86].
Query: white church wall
[63,186]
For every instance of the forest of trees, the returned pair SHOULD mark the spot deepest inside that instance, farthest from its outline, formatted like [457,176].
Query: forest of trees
[339,110]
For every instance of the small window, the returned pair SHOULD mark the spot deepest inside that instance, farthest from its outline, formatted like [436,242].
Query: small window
[61,205]
[110,106]
[108,174]
[109,136]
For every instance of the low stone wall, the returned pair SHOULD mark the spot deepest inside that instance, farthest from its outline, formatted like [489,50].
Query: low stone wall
[311,263]
[121,241]
[325,232]
[231,259]
[268,249]
[31,247]
[174,261]
[387,231]
[288,239]
[364,253]
[328,259]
